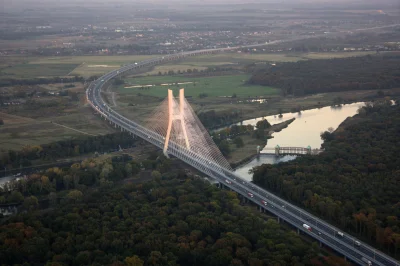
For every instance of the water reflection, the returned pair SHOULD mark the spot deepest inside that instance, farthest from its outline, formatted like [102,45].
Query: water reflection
[243,171]
[304,131]
[309,124]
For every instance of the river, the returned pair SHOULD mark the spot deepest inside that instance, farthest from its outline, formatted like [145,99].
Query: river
[304,131]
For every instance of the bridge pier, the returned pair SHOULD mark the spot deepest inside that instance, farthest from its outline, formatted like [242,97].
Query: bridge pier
[279,220]
[298,231]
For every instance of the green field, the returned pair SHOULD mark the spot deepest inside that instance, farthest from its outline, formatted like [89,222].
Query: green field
[33,67]
[218,86]
[234,58]
[86,66]
[28,71]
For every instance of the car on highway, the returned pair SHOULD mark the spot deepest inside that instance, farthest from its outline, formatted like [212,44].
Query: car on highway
[227,181]
[264,202]
[250,194]
[306,226]
[367,262]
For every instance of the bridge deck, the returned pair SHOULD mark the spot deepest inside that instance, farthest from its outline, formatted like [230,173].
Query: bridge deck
[291,151]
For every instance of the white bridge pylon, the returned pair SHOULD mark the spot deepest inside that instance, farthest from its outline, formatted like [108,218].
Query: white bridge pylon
[175,115]
[179,125]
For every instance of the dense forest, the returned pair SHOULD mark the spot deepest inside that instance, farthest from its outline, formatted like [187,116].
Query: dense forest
[212,119]
[355,183]
[341,74]
[65,148]
[172,220]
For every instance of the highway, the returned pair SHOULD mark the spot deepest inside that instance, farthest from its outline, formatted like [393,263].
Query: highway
[320,230]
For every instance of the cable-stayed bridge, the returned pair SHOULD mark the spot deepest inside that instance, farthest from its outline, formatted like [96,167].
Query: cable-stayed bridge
[174,128]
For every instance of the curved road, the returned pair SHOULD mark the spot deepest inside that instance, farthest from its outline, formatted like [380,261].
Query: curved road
[327,234]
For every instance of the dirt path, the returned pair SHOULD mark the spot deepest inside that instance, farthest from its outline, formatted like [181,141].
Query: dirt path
[73,129]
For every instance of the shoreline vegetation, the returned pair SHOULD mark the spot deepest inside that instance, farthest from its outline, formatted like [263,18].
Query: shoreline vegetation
[354,183]
[248,156]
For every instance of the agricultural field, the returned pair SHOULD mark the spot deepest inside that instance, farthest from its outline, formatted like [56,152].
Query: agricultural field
[237,58]
[86,66]
[28,71]
[19,131]
[216,86]
[49,119]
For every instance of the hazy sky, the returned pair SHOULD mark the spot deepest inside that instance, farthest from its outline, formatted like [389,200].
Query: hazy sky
[24,4]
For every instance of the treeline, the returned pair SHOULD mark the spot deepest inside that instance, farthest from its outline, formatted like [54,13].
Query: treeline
[340,74]
[13,82]
[233,133]
[65,148]
[93,172]
[211,119]
[209,71]
[171,220]
[355,183]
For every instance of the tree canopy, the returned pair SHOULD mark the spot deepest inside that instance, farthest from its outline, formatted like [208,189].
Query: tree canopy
[331,75]
[175,220]
[355,183]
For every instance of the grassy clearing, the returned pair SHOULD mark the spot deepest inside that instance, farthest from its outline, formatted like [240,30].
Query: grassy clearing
[219,86]
[16,134]
[249,149]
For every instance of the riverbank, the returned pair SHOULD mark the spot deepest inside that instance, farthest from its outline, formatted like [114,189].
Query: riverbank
[245,154]
[279,127]
[279,104]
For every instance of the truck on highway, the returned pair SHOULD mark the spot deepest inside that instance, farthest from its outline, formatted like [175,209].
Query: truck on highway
[367,262]
[307,227]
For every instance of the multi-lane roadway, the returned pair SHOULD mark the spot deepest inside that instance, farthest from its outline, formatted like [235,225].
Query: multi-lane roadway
[327,234]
